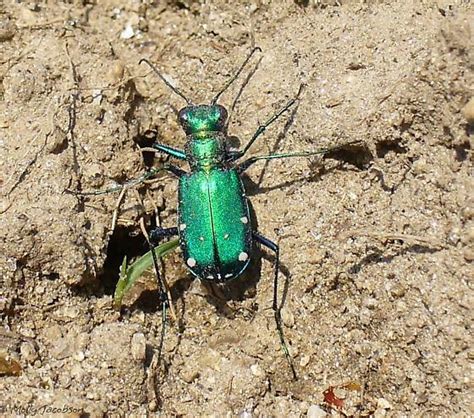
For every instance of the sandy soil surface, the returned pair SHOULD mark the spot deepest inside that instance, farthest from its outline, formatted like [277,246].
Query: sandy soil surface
[377,239]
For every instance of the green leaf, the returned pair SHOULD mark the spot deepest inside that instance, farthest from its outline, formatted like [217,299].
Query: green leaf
[130,274]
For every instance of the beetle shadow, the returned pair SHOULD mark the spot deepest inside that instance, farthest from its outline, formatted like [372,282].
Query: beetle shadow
[239,94]
[355,155]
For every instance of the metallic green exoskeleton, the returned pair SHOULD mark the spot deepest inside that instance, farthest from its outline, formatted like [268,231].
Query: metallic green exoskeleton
[213,213]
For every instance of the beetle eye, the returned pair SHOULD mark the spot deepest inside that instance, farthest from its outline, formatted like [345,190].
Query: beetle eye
[183,116]
[183,119]
[222,116]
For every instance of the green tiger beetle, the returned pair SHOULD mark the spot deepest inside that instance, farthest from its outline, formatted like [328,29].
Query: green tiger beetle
[214,226]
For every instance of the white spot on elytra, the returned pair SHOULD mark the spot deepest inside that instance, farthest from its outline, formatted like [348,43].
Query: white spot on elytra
[191,262]
[244,220]
[182,227]
[226,236]
[243,256]
[228,275]
[201,238]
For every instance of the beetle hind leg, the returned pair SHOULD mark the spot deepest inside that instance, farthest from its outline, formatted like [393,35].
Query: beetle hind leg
[157,234]
[277,309]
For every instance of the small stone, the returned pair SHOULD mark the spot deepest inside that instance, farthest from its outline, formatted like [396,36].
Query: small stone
[128,32]
[383,403]
[468,111]
[27,332]
[91,395]
[79,356]
[138,317]
[315,255]
[71,312]
[369,302]
[64,380]
[420,166]
[138,346]
[287,317]
[314,411]
[116,72]
[256,370]
[7,30]
[305,359]
[468,254]
[454,235]
[468,236]
[365,316]
[190,375]
[63,348]
[52,334]
[28,352]
[397,290]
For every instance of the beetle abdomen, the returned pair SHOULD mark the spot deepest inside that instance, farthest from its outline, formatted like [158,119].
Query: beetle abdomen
[214,224]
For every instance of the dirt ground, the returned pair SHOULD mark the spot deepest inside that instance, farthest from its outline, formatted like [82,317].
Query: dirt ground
[377,239]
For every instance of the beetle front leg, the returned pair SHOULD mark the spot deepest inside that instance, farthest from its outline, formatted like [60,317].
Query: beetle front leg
[277,309]
[134,182]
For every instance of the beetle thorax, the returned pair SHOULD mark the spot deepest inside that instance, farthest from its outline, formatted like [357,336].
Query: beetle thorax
[206,150]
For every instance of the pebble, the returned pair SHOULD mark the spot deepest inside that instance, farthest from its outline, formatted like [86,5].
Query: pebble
[79,356]
[28,352]
[314,411]
[468,111]
[63,348]
[397,290]
[7,30]
[256,370]
[383,403]
[190,375]
[369,302]
[304,360]
[138,346]
[468,254]
[287,317]
[128,32]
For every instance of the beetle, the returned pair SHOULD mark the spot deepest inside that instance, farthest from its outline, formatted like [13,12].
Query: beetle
[214,225]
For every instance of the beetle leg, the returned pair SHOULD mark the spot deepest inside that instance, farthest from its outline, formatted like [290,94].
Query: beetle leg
[247,163]
[174,170]
[277,309]
[261,129]
[157,234]
[145,176]
[172,152]
[163,299]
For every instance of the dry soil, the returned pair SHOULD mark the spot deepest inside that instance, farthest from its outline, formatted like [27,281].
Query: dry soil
[377,239]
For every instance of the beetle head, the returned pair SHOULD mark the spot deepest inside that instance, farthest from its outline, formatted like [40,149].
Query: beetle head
[202,118]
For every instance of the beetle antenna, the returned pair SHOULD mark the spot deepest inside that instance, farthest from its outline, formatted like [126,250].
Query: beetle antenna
[176,90]
[257,48]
